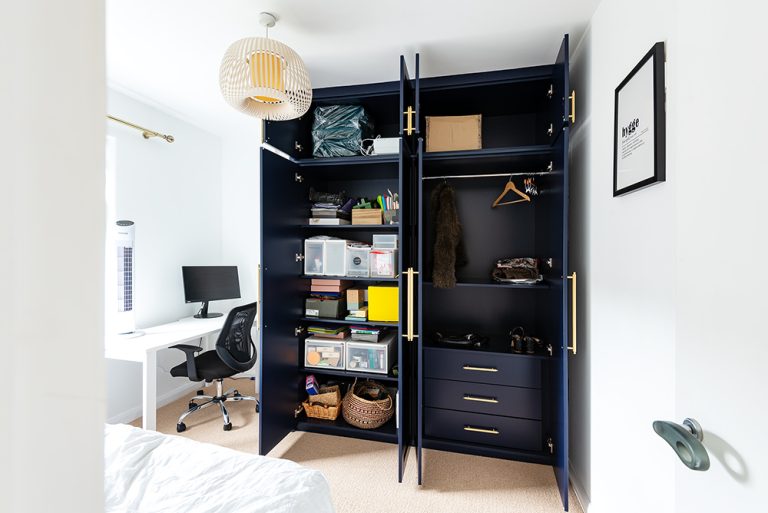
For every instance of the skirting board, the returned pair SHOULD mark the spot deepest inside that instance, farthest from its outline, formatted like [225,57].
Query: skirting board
[167,398]
[581,494]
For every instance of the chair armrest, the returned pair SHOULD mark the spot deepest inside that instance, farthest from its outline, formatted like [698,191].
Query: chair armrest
[190,351]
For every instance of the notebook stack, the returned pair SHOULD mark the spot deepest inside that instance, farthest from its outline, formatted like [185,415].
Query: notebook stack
[330,214]
[361,314]
[329,333]
[335,289]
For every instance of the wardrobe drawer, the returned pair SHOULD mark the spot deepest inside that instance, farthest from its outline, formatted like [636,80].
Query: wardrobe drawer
[479,367]
[482,398]
[477,428]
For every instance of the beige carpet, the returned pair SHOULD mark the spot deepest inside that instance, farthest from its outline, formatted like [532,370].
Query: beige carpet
[363,474]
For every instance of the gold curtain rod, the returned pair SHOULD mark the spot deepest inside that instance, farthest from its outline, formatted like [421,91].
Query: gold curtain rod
[147,133]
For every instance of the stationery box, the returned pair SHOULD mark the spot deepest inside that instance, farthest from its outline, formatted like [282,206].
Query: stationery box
[357,260]
[328,308]
[453,133]
[325,256]
[385,241]
[366,216]
[322,353]
[383,303]
[383,263]
[376,357]
[356,298]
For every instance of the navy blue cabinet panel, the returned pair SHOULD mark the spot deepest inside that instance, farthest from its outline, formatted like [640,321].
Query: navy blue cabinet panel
[482,398]
[419,260]
[282,211]
[479,367]
[409,100]
[477,428]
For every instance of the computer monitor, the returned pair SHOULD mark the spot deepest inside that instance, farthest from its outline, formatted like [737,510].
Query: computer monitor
[210,283]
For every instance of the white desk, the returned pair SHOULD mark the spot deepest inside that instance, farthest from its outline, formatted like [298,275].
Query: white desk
[144,350]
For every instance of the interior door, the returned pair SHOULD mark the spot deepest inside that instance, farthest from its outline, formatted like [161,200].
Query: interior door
[409,100]
[283,207]
[560,358]
[405,347]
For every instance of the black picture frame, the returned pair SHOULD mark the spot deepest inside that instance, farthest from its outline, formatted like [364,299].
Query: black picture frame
[631,138]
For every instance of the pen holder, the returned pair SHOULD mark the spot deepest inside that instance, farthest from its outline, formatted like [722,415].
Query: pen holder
[392,216]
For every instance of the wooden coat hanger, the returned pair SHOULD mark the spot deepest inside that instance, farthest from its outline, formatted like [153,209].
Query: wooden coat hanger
[510,186]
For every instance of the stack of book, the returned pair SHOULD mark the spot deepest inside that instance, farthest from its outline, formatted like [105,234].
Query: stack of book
[329,214]
[364,333]
[330,333]
[360,314]
[331,289]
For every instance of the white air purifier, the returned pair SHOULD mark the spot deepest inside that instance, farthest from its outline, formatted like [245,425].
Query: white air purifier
[125,319]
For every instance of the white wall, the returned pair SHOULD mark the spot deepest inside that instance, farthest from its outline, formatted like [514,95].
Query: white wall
[722,348]
[173,192]
[52,98]
[624,250]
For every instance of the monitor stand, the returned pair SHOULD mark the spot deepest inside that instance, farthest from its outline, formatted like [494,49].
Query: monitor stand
[205,314]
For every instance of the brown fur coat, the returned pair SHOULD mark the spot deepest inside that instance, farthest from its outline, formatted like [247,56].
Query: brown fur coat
[449,251]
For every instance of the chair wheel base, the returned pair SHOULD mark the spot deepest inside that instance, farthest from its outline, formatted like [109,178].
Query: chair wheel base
[200,392]
[181,427]
[257,407]
[228,427]
[192,406]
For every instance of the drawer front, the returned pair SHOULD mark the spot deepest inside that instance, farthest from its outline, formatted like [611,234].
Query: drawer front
[482,398]
[477,428]
[477,367]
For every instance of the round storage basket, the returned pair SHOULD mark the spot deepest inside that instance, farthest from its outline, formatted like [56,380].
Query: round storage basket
[368,405]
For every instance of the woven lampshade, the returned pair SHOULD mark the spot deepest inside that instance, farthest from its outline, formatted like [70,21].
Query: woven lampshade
[266,79]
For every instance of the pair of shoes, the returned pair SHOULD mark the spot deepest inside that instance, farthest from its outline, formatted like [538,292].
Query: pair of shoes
[532,345]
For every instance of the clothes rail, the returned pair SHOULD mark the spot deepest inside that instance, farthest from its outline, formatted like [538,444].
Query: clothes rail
[491,175]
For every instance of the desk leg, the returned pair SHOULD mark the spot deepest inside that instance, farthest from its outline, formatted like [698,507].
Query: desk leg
[149,402]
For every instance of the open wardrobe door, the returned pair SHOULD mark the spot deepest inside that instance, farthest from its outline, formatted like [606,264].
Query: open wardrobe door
[557,208]
[280,298]
[409,100]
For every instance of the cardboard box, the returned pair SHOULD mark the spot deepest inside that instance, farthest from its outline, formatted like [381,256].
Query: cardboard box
[327,308]
[383,303]
[453,133]
[356,298]
[366,216]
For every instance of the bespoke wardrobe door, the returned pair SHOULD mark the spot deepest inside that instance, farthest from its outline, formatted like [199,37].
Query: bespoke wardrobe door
[408,307]
[409,100]
[420,314]
[283,207]
[559,213]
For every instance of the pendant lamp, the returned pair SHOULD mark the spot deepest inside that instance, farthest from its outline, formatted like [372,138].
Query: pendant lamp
[265,78]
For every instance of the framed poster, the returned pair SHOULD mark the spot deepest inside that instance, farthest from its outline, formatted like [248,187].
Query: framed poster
[639,134]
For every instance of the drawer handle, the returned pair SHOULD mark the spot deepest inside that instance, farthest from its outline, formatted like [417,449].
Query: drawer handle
[487,431]
[480,369]
[480,399]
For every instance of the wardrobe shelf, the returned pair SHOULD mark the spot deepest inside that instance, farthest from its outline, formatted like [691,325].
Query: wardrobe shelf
[348,278]
[349,374]
[381,324]
[345,161]
[370,227]
[386,433]
[493,284]
[513,151]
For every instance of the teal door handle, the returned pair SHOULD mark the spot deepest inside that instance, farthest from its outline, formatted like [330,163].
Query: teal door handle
[686,441]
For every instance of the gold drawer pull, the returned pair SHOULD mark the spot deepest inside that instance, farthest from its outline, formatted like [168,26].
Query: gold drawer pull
[491,431]
[480,399]
[480,369]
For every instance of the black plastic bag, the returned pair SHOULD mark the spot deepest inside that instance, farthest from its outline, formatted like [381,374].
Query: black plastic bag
[339,130]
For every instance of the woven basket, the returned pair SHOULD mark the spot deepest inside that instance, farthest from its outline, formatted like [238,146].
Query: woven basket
[325,405]
[364,413]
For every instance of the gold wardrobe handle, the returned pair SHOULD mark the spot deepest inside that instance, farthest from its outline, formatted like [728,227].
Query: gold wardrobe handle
[409,120]
[480,369]
[491,431]
[572,115]
[572,277]
[409,335]
[479,399]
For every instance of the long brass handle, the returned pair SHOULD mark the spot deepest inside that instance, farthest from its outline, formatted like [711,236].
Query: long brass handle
[491,431]
[480,369]
[409,120]
[572,277]
[572,115]
[409,335]
[480,399]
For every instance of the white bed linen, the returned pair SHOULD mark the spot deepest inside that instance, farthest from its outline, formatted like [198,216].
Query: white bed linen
[149,472]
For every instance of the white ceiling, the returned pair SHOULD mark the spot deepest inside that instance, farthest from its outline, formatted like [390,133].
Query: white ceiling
[168,51]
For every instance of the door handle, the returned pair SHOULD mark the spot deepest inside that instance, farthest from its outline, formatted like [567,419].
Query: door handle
[686,441]
[480,399]
[409,335]
[409,120]
[572,277]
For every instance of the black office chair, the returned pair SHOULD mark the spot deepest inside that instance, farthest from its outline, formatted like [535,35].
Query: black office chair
[235,353]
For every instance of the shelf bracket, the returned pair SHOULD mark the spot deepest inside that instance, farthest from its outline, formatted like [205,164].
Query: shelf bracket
[298,331]
[551,91]
[551,445]
[299,257]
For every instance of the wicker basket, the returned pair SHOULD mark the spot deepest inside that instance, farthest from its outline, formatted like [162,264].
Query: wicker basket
[365,413]
[325,405]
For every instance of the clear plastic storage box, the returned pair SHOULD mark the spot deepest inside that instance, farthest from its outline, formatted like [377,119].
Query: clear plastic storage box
[377,357]
[323,353]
